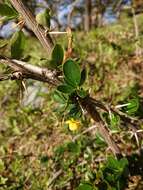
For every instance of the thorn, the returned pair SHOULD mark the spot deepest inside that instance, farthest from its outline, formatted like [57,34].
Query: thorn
[57,32]
[24,86]
[122,105]
[19,24]
[136,136]
[137,139]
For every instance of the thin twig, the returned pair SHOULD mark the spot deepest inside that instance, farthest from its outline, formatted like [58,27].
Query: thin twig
[114,109]
[55,176]
[57,32]
[88,105]
[84,132]
[122,105]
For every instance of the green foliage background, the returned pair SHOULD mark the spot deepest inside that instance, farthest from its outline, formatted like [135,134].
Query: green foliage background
[35,142]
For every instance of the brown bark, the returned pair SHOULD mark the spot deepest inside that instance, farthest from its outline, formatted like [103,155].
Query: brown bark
[88,105]
[22,70]
[39,31]
[87,19]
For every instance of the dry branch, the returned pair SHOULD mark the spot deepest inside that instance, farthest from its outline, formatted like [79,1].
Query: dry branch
[88,105]
[22,70]
[38,30]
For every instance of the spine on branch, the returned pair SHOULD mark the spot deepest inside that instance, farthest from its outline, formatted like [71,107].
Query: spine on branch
[23,70]
[38,30]
[88,105]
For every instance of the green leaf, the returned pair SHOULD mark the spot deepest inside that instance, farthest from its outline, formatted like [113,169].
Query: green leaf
[43,18]
[113,163]
[123,163]
[57,55]
[74,147]
[118,165]
[15,166]
[65,89]
[17,45]
[3,180]
[59,151]
[3,44]
[44,159]
[114,121]
[82,93]
[85,186]
[59,97]
[2,166]
[99,141]
[133,106]
[75,111]
[8,11]
[83,76]
[72,73]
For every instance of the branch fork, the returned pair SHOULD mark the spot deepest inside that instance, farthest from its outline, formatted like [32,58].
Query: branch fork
[25,70]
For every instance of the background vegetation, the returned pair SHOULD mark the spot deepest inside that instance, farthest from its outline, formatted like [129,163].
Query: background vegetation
[38,151]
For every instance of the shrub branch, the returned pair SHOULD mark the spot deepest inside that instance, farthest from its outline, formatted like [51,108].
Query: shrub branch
[23,70]
[88,105]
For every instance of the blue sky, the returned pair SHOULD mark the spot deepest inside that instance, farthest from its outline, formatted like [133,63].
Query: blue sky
[62,12]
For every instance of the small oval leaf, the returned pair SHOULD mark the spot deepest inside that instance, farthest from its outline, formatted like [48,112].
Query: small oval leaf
[57,55]
[43,18]
[82,93]
[2,166]
[114,122]
[59,97]
[72,73]
[65,89]
[9,12]
[133,106]
[83,76]
[17,45]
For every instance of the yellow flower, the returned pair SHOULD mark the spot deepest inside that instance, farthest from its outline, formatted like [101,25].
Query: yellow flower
[73,124]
